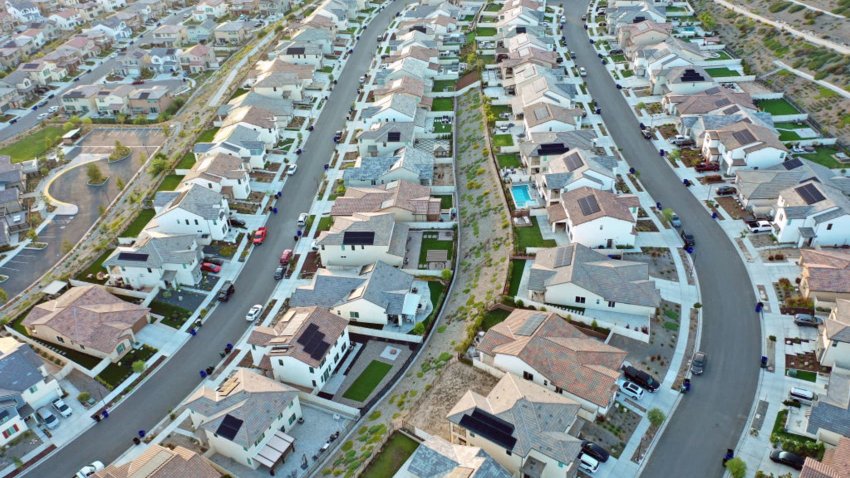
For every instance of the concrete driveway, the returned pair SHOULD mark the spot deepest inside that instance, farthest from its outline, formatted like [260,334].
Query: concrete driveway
[168,386]
[711,418]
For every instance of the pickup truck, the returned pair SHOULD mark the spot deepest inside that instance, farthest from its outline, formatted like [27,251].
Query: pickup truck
[759,226]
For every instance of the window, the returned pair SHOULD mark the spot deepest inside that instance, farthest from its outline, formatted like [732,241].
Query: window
[829,227]
[559,390]
[196,222]
[292,419]
[508,452]
[150,271]
[60,340]
[119,349]
[611,303]
[527,376]
[280,362]
[354,315]
[580,300]
[33,389]
[311,370]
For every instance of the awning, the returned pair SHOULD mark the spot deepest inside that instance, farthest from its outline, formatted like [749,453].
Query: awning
[274,449]
[411,304]
[55,287]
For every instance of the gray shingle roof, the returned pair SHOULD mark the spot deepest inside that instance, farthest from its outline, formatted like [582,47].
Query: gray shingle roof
[382,285]
[198,200]
[437,458]
[387,231]
[373,169]
[160,250]
[19,366]
[831,412]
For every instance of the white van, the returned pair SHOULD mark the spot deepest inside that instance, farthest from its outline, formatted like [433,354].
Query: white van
[587,463]
[802,395]
[302,219]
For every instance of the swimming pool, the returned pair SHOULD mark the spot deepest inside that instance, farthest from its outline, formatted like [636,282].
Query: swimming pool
[522,196]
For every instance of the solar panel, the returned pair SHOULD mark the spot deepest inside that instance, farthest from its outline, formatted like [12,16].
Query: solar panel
[132,256]
[574,162]
[809,193]
[305,336]
[744,137]
[723,102]
[418,28]
[547,149]
[394,136]
[358,238]
[588,205]
[792,164]
[229,427]
[491,427]
[692,75]
[313,342]
[295,50]
[520,30]
[529,326]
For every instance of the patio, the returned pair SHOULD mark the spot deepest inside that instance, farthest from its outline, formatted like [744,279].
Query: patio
[373,351]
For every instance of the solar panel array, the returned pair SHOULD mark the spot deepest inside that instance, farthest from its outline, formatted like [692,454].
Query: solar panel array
[574,162]
[295,50]
[520,30]
[547,149]
[132,256]
[491,427]
[393,136]
[313,342]
[229,427]
[588,205]
[810,193]
[792,164]
[529,326]
[358,238]
[744,137]
[692,75]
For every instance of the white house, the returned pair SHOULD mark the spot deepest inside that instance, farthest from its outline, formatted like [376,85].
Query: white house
[384,139]
[223,174]
[396,108]
[812,214]
[303,54]
[254,118]
[834,338]
[406,201]
[303,346]
[408,164]
[66,19]
[542,87]
[209,8]
[246,418]
[519,17]
[743,145]
[192,210]
[363,239]
[546,117]
[24,11]
[575,169]
[156,260]
[595,218]
[577,276]
[681,80]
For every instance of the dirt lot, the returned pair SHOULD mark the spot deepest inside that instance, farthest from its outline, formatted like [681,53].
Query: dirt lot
[660,262]
[102,140]
[455,380]
[655,356]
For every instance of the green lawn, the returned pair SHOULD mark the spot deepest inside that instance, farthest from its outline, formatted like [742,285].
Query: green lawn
[442,104]
[721,72]
[94,268]
[485,32]
[446,202]
[440,127]
[173,316]
[676,9]
[170,183]
[510,160]
[207,135]
[443,85]
[627,73]
[363,386]
[779,106]
[433,244]
[824,156]
[327,69]
[721,55]
[187,161]
[139,223]
[517,267]
[325,223]
[502,140]
[114,374]
[493,317]
[238,92]
[493,7]
[498,110]
[802,375]
[488,59]
[779,429]
[619,58]
[395,452]
[34,144]
[530,236]
[437,290]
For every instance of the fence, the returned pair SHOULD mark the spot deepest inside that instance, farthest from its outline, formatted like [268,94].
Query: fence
[383,334]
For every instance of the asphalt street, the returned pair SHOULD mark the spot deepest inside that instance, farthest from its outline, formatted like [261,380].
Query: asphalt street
[711,417]
[169,385]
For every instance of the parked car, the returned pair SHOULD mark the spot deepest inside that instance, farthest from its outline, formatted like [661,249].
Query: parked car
[587,463]
[260,236]
[675,221]
[680,140]
[807,320]
[279,272]
[213,260]
[90,469]
[291,170]
[226,291]
[254,312]
[647,133]
[42,103]
[643,379]
[236,222]
[43,116]
[595,450]
[53,109]
[759,226]
[47,418]
[698,363]
[631,390]
[787,458]
[337,136]
[285,257]
[62,408]
[582,71]
[688,239]
[706,167]
[726,191]
[210,267]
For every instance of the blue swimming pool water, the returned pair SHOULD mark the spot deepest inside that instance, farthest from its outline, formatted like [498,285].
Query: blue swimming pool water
[521,194]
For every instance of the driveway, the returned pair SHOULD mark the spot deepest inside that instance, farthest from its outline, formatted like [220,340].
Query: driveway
[711,418]
[149,403]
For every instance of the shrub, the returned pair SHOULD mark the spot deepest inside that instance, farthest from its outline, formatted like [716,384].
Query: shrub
[736,467]
[656,417]
[83,397]
[120,152]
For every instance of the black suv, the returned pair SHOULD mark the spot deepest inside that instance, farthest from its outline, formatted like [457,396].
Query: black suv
[687,238]
[643,379]
[226,291]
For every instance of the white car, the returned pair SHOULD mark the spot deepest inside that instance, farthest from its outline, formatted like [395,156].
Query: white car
[47,418]
[254,312]
[292,169]
[43,116]
[759,226]
[582,71]
[631,390]
[90,470]
[53,109]
[587,463]
[60,406]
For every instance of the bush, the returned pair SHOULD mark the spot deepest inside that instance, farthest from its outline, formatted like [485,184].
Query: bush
[159,163]
[83,397]
[656,417]
[138,366]
[120,152]
[418,329]
[736,467]
[94,174]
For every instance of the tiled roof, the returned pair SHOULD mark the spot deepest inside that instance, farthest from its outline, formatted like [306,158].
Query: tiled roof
[157,250]
[435,457]
[826,270]
[835,462]
[197,200]
[573,165]
[386,231]
[285,335]
[161,462]
[413,160]
[831,412]
[218,166]
[543,112]
[609,205]
[381,284]
[838,324]
[401,194]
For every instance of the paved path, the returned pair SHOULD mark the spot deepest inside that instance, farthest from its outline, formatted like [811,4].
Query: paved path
[710,419]
[168,386]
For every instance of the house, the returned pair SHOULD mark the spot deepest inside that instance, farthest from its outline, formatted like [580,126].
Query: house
[221,173]
[257,119]
[159,260]
[280,108]
[522,425]
[66,19]
[243,141]
[232,33]
[13,213]
[134,61]
[395,108]
[113,101]
[743,145]
[834,464]
[826,275]
[299,53]
[541,88]
[209,9]
[90,320]
[519,17]
[25,386]
[363,239]
[197,59]
[548,117]
[33,36]
[131,18]
[164,60]
[322,37]
[546,349]
[43,72]
[408,164]
[705,101]
[191,210]
[157,461]
[384,139]
[200,31]
[833,347]
[377,294]
[632,36]
[540,148]
[651,60]
[114,27]
[695,126]
[681,80]
[595,218]
[169,36]
[577,276]
[303,347]
[412,67]
[244,7]
[246,418]
[406,201]
[282,80]
[575,169]
[812,214]
[24,11]
[436,457]
[511,61]
[829,416]
[150,100]
[633,12]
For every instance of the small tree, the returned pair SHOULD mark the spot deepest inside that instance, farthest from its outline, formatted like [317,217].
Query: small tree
[83,397]
[418,329]
[159,163]
[3,296]
[119,152]
[138,366]
[120,183]
[667,214]
[94,174]
[736,467]
[641,105]
[656,417]
[707,20]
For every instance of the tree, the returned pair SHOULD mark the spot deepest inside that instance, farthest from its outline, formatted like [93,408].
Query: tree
[94,174]
[120,183]
[86,121]
[3,296]
[737,467]
[656,417]
[707,20]
[418,329]
[119,152]
[32,235]
[446,275]
[159,163]
[667,214]
[138,366]
[83,397]
[641,105]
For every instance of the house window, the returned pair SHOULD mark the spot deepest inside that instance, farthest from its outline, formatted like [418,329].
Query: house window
[559,390]
[119,349]
[527,376]
[33,389]
[580,300]
[829,227]
[150,271]
[196,222]
[280,362]
[292,419]
[311,370]
[508,452]
[60,339]
[354,315]
[611,303]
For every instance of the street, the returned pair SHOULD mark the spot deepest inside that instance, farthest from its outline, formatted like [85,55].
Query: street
[711,417]
[153,400]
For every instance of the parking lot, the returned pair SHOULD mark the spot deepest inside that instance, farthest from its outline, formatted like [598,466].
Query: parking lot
[102,140]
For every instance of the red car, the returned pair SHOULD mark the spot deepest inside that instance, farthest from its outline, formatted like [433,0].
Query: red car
[260,236]
[210,267]
[285,257]
[705,167]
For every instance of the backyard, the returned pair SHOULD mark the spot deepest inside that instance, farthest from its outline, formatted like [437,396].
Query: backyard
[441,127]
[517,268]
[34,144]
[825,156]
[493,317]
[207,135]
[442,104]
[139,223]
[170,183]
[509,160]
[485,32]
[431,243]
[721,72]
[443,85]
[367,381]
[395,452]
[530,236]
[187,161]
[777,107]
[89,274]
[502,140]
[173,316]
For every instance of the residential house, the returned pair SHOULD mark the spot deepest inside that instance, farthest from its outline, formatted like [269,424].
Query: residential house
[321,37]
[408,164]
[114,101]
[25,385]
[579,277]
[244,7]
[377,294]
[132,19]
[547,117]
[651,60]
[134,61]
[681,80]
[222,173]
[200,31]
[81,100]
[303,347]
[519,17]
[197,59]
[829,416]
[826,276]
[541,87]
[395,108]
[34,36]
[169,36]
[522,425]
[281,108]
[246,418]
[595,218]
[695,126]
[244,141]
[232,33]
[384,139]
[743,145]
[633,12]
[164,60]
[8,98]
[833,347]
[24,11]
[112,5]
[632,36]
[406,201]
[363,239]
[834,464]
[575,169]
[546,349]
[116,28]
[411,67]
[191,210]
[436,457]
[66,19]
[43,72]
[255,118]
[812,214]
[209,9]
[540,148]
[279,79]
[159,260]
[157,461]
[705,101]
[150,100]
[302,54]
[90,320]
[511,61]
[13,213]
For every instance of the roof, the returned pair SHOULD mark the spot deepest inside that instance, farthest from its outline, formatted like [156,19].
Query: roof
[708,100]
[529,417]
[247,401]
[20,366]
[253,115]
[767,183]
[197,200]
[586,204]
[835,462]
[544,112]
[380,284]
[389,132]
[826,270]
[615,280]
[838,324]
[437,458]
[814,199]
[11,174]
[569,359]
[155,250]
[748,136]
[573,165]
[397,194]
[160,462]
[410,159]
[367,229]
[831,412]
[90,316]
[406,84]
[541,143]
[217,167]
[304,333]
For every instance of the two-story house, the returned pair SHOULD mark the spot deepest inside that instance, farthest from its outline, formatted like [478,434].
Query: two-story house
[192,210]
[363,239]
[156,260]
[743,145]
[221,173]
[595,218]
[812,214]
